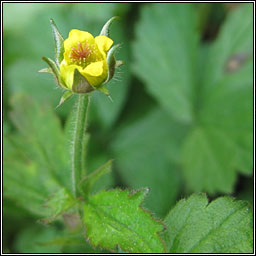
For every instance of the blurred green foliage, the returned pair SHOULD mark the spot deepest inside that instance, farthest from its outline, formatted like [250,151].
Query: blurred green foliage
[180,120]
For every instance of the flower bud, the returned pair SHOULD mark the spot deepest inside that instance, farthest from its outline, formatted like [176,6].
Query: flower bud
[83,63]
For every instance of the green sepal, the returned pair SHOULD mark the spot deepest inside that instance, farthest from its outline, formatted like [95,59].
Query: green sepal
[111,62]
[105,30]
[87,182]
[65,97]
[102,88]
[55,71]
[80,83]
[59,43]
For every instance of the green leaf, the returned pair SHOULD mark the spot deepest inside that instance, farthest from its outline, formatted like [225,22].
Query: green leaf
[34,238]
[235,38]
[147,155]
[209,87]
[72,243]
[221,144]
[37,160]
[223,226]
[88,182]
[58,203]
[59,43]
[115,218]
[165,55]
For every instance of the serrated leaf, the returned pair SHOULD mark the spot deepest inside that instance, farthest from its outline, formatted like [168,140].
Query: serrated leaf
[210,87]
[147,155]
[58,203]
[223,226]
[165,55]
[115,218]
[221,144]
[36,164]
[87,183]
[59,43]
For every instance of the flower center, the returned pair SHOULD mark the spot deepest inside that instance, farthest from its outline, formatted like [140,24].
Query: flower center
[81,54]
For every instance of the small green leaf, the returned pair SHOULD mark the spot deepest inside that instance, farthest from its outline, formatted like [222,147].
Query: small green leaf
[105,29]
[223,226]
[59,43]
[115,218]
[55,70]
[87,183]
[65,97]
[80,83]
[60,202]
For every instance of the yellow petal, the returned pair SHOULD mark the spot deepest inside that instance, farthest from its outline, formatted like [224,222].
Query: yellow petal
[96,73]
[104,43]
[76,36]
[94,69]
[67,73]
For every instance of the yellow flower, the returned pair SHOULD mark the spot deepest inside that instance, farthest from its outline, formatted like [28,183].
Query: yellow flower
[83,63]
[86,54]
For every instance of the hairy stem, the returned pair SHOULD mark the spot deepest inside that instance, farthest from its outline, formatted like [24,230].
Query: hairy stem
[79,140]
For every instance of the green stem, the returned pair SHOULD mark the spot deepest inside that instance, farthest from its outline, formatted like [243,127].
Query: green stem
[79,140]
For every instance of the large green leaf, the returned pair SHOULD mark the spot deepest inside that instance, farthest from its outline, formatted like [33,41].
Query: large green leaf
[221,144]
[223,226]
[115,218]
[36,161]
[211,88]
[234,43]
[165,55]
[146,151]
